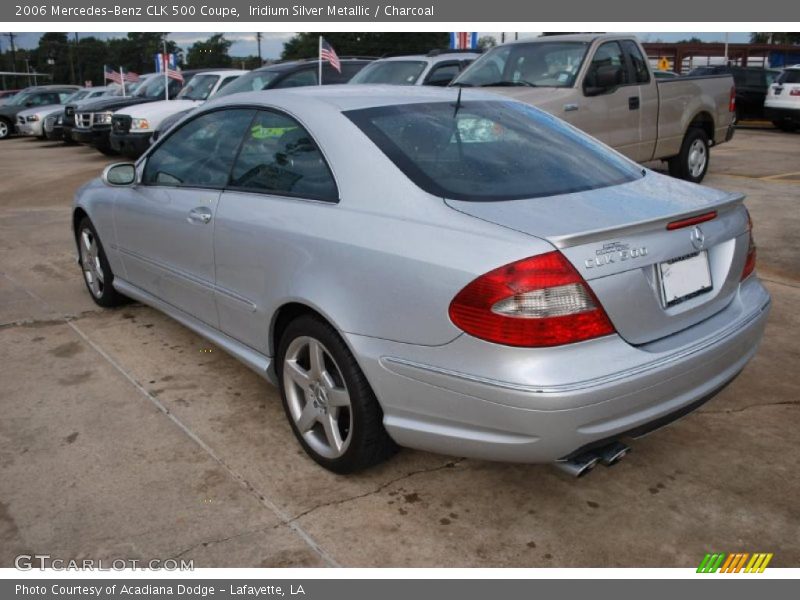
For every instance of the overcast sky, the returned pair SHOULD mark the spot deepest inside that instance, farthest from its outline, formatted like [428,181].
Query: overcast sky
[244,44]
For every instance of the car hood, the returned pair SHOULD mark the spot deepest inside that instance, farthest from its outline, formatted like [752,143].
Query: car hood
[159,110]
[40,110]
[11,111]
[114,103]
[544,96]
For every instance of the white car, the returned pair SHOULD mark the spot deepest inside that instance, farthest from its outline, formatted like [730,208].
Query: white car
[782,104]
[133,126]
[435,68]
[31,121]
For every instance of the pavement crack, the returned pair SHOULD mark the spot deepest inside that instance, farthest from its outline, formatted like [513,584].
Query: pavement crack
[206,543]
[448,465]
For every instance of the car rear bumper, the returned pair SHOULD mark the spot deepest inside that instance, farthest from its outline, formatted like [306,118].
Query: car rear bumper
[130,144]
[773,113]
[472,398]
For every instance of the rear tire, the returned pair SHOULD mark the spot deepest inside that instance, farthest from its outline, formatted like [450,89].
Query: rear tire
[329,403]
[5,129]
[691,163]
[787,126]
[97,274]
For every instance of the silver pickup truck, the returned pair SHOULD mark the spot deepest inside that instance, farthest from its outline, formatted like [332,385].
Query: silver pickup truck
[603,85]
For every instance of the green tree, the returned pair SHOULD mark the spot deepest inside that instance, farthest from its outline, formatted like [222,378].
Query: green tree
[210,53]
[306,45]
[52,56]
[487,41]
[775,38]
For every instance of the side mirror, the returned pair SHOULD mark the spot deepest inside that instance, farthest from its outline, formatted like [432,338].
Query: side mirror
[606,79]
[119,174]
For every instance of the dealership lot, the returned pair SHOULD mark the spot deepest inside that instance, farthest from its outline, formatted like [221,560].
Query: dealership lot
[124,435]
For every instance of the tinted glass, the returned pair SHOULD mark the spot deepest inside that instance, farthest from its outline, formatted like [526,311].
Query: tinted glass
[490,150]
[279,157]
[607,57]
[789,76]
[543,64]
[299,79]
[394,72]
[154,88]
[251,82]
[226,81]
[201,152]
[199,87]
[442,74]
[638,62]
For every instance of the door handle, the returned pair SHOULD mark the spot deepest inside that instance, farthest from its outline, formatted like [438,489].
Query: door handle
[633,103]
[201,214]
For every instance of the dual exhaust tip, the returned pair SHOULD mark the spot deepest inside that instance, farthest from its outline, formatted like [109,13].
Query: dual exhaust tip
[580,465]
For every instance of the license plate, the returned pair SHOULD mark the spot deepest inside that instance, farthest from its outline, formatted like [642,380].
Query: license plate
[684,278]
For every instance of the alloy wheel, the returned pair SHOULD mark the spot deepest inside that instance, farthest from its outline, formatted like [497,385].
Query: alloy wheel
[317,397]
[90,262]
[698,156]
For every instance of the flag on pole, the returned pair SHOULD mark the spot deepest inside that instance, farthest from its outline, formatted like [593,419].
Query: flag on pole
[131,77]
[463,40]
[327,53]
[111,74]
[168,63]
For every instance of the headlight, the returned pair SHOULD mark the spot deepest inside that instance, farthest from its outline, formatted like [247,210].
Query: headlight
[103,118]
[59,119]
[33,117]
[140,124]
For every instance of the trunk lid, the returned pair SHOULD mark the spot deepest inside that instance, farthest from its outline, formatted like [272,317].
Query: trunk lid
[617,238]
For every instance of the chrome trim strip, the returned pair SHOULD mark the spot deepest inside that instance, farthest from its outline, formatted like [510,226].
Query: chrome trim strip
[582,385]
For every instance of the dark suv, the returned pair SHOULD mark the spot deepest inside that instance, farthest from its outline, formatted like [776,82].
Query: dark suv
[33,96]
[751,84]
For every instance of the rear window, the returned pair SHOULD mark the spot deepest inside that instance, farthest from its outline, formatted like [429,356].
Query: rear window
[254,81]
[789,76]
[491,150]
[394,72]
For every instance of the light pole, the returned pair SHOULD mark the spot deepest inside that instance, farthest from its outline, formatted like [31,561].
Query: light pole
[258,38]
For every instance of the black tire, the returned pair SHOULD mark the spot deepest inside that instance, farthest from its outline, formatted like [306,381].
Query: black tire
[684,165]
[105,295]
[787,126]
[6,129]
[369,444]
[107,150]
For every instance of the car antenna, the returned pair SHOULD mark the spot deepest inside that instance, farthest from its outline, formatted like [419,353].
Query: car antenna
[458,101]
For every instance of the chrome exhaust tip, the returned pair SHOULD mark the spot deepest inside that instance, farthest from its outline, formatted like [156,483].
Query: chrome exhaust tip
[613,453]
[580,465]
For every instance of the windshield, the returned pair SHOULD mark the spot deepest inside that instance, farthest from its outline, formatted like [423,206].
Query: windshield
[199,88]
[152,88]
[394,72]
[789,76]
[19,98]
[253,81]
[77,96]
[541,64]
[490,150]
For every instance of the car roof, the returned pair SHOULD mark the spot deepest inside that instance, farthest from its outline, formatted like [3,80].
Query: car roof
[299,64]
[569,37]
[222,72]
[351,97]
[47,88]
[431,58]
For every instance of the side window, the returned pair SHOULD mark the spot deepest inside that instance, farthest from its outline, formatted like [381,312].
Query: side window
[638,62]
[174,87]
[442,74]
[62,97]
[279,157]
[226,81]
[349,69]
[608,67]
[201,152]
[299,79]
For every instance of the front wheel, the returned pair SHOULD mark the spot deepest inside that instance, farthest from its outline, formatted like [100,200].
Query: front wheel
[5,129]
[785,125]
[97,273]
[332,410]
[691,163]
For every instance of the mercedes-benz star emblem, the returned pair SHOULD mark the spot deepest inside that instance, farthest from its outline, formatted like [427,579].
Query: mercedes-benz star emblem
[698,238]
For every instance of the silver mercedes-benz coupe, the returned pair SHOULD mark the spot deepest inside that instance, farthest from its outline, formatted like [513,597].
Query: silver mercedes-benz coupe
[437,269]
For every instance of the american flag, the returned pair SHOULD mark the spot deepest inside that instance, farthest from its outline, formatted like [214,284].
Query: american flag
[169,63]
[131,77]
[326,52]
[111,74]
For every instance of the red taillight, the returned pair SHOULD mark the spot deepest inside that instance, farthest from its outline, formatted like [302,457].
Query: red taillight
[535,302]
[709,216]
[750,262]
[794,92]
[732,100]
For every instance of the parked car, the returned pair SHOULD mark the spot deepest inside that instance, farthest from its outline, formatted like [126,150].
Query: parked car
[68,120]
[603,85]
[132,127]
[516,291]
[435,68]
[751,83]
[295,73]
[782,105]
[28,98]
[661,74]
[31,121]
[93,120]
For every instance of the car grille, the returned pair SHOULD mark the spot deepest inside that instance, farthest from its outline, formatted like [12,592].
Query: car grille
[83,120]
[48,123]
[121,123]
[69,116]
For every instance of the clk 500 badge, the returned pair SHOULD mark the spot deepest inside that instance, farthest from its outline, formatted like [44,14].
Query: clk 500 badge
[613,252]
